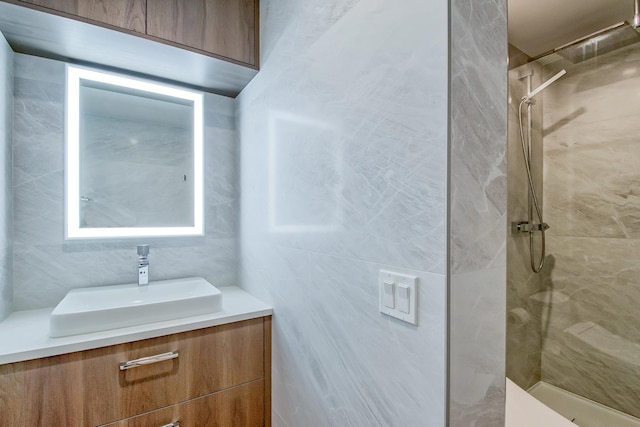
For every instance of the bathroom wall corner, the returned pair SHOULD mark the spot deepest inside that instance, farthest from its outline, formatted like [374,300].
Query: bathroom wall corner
[6,197]
[477,212]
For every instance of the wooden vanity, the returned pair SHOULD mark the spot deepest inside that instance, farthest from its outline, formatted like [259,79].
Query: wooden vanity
[212,376]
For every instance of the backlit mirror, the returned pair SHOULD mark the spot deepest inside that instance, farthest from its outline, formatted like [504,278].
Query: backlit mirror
[133,157]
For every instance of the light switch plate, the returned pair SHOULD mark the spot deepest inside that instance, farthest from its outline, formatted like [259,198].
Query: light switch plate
[401,282]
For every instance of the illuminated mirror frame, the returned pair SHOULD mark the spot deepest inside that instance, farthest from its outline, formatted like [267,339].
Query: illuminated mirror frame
[72,160]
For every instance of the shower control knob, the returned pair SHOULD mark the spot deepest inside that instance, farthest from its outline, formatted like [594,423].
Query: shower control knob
[527,227]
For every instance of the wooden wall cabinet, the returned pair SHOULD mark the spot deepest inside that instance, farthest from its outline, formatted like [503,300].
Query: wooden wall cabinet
[225,29]
[127,14]
[220,378]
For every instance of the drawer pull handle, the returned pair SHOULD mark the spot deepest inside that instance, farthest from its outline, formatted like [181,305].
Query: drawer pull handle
[174,424]
[148,361]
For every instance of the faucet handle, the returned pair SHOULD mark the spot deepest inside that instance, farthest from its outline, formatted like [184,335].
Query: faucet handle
[143,250]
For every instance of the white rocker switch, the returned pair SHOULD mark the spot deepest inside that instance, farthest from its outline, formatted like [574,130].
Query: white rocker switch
[389,297]
[403,298]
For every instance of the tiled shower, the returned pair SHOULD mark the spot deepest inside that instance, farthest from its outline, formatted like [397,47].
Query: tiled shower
[574,325]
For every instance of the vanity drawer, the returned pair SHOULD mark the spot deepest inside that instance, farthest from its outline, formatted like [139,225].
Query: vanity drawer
[208,360]
[241,406]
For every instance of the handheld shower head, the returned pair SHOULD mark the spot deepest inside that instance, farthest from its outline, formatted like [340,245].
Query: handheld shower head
[543,86]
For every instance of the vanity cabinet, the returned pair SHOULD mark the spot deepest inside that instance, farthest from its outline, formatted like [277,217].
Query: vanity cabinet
[217,376]
[127,14]
[224,29]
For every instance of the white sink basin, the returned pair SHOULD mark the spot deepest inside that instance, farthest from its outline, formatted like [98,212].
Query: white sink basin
[101,308]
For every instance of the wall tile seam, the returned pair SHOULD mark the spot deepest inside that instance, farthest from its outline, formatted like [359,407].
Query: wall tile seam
[108,246]
[242,242]
[479,270]
[457,271]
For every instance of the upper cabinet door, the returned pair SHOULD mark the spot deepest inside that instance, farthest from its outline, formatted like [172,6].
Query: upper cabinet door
[128,14]
[223,27]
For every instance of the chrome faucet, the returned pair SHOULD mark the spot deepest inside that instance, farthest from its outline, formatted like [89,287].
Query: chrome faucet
[143,265]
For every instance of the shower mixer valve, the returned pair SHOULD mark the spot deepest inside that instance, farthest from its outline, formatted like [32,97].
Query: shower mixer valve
[527,227]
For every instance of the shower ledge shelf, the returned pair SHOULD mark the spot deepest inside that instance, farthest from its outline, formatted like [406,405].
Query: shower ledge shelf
[550,297]
[606,342]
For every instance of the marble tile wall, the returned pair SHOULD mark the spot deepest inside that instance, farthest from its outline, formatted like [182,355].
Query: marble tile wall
[6,202]
[591,176]
[478,210]
[524,344]
[476,356]
[45,265]
[343,139]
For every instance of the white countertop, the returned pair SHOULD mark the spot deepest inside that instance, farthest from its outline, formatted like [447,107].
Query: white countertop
[24,335]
